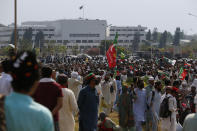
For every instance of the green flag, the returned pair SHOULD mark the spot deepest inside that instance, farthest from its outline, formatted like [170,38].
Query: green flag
[116,39]
[122,55]
[181,71]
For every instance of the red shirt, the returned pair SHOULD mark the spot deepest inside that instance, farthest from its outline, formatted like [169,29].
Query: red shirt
[47,94]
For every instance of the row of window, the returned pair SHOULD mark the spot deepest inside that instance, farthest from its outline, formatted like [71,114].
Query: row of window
[78,41]
[126,35]
[37,29]
[84,41]
[126,29]
[84,35]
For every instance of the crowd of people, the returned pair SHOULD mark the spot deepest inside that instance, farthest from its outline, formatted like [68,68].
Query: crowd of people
[48,94]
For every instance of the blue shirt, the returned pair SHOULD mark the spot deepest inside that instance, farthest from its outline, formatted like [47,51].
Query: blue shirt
[88,102]
[23,114]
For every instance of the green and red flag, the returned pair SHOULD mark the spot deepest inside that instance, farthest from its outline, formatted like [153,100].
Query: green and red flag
[111,56]
[116,39]
[186,64]
[182,73]
[172,62]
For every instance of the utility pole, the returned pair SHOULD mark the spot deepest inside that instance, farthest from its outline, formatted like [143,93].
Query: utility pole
[15,25]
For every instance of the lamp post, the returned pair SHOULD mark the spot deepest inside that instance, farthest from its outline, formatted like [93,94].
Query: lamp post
[106,26]
[15,25]
[192,15]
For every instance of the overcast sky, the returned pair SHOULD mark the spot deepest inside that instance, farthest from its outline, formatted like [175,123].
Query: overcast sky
[163,14]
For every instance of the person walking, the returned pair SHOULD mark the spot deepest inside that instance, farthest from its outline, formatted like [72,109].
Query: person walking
[169,123]
[66,117]
[88,103]
[139,105]
[156,105]
[149,101]
[5,80]
[49,94]
[125,106]
[22,113]
[73,84]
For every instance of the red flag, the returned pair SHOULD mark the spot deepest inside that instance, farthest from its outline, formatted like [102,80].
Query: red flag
[131,67]
[111,56]
[184,74]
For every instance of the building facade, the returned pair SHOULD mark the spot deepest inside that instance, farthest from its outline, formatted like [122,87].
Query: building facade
[6,32]
[82,33]
[126,34]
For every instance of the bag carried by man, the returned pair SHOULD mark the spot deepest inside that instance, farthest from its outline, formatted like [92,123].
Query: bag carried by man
[164,111]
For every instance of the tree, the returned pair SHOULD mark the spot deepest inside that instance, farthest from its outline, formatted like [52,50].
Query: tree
[75,50]
[39,39]
[12,38]
[169,37]
[177,37]
[102,46]
[27,36]
[163,39]
[25,45]
[155,35]
[148,35]
[136,42]
[182,35]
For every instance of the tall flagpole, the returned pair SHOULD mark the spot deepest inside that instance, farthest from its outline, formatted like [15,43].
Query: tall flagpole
[83,12]
[15,25]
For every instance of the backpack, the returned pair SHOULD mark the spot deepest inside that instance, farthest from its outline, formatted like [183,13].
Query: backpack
[164,111]
[111,89]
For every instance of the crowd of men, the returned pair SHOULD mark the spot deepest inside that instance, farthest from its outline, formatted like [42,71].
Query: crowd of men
[148,95]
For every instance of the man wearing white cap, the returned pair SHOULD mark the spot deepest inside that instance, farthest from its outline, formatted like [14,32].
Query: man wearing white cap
[73,84]
[150,92]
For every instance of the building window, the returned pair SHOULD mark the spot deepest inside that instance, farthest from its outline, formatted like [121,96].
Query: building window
[78,41]
[84,35]
[112,30]
[120,41]
[59,41]
[84,41]
[90,41]
[113,35]
[65,41]
[51,29]
[81,47]
[117,29]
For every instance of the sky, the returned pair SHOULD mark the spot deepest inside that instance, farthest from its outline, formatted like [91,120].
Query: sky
[163,14]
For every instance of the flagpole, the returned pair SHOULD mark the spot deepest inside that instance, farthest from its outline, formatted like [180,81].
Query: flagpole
[15,25]
[83,12]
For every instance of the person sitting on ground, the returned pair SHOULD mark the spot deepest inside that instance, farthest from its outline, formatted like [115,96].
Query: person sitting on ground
[106,124]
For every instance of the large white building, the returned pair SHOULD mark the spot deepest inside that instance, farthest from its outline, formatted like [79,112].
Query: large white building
[6,32]
[126,34]
[83,33]
[80,31]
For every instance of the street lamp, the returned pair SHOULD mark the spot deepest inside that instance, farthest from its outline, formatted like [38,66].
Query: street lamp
[15,25]
[106,26]
[192,15]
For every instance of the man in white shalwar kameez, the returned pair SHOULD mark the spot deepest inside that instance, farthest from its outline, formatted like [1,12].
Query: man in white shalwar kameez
[105,87]
[73,84]
[113,94]
[66,117]
[169,123]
